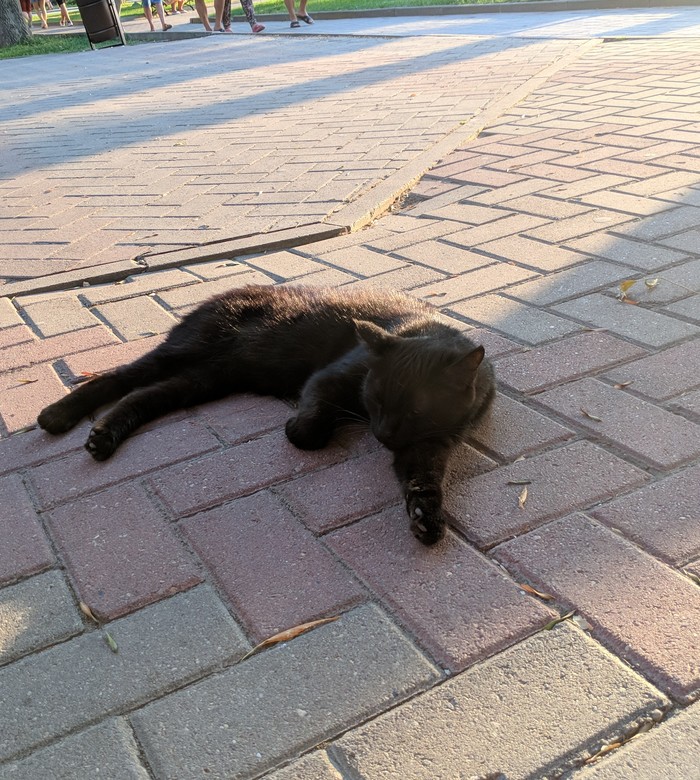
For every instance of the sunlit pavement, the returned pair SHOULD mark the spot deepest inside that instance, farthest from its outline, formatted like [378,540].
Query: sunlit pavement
[548,179]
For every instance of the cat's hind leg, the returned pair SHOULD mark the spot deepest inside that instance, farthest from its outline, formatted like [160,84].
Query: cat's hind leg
[148,403]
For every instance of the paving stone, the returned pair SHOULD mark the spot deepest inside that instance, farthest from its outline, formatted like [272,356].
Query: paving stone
[664,374]
[136,285]
[670,750]
[25,392]
[511,429]
[688,402]
[645,431]
[633,322]
[552,364]
[531,711]
[59,315]
[120,552]
[526,323]
[64,480]
[32,352]
[404,279]
[344,492]
[567,284]
[689,307]
[459,606]
[362,261]
[107,749]
[471,284]
[273,571]
[107,358]
[75,683]
[444,257]
[136,318]
[543,257]
[685,275]
[273,706]
[15,334]
[660,517]
[9,316]
[685,242]
[238,471]
[664,224]
[35,613]
[180,297]
[315,766]
[640,608]
[622,250]
[494,345]
[240,418]
[24,548]
[486,507]
[562,230]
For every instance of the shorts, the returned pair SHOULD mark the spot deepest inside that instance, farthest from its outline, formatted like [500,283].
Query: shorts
[26,6]
[144,3]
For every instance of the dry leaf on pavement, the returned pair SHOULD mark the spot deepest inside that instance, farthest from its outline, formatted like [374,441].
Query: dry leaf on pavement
[651,283]
[530,589]
[87,612]
[522,498]
[558,620]
[109,639]
[590,416]
[290,633]
[623,385]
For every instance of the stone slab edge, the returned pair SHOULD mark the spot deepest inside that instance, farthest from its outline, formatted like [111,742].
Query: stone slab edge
[536,6]
[372,204]
[348,219]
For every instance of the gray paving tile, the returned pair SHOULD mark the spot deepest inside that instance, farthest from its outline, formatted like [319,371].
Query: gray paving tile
[105,750]
[282,701]
[60,689]
[35,613]
[527,713]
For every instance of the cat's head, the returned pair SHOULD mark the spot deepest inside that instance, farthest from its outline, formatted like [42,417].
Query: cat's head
[418,388]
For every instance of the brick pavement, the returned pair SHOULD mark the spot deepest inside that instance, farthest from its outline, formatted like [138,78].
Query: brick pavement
[440,664]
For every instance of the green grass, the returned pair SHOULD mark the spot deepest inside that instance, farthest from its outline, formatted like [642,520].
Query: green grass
[46,44]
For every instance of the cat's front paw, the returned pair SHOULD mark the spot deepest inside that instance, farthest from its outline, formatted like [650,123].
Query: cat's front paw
[305,435]
[427,522]
[102,442]
[58,417]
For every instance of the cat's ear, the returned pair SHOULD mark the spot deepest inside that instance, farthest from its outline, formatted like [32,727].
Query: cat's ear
[376,339]
[464,370]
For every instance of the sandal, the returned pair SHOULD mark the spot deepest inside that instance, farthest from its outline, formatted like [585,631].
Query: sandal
[257,27]
[295,24]
[305,18]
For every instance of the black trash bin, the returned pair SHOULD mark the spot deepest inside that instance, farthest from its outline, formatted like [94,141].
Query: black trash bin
[101,21]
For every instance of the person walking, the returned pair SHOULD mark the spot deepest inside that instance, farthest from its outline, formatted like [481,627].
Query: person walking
[222,22]
[296,16]
[148,13]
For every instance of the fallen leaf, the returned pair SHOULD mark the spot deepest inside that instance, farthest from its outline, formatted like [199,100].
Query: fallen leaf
[623,385]
[290,633]
[519,482]
[109,639]
[630,301]
[624,286]
[590,416]
[558,620]
[651,283]
[581,622]
[694,577]
[26,429]
[435,295]
[27,381]
[522,498]
[530,589]
[87,612]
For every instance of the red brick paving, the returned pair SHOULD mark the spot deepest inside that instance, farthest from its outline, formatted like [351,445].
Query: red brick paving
[589,180]
[649,618]
[458,604]
[273,571]
[120,551]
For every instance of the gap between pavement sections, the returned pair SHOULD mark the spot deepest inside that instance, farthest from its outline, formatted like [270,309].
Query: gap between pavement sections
[349,218]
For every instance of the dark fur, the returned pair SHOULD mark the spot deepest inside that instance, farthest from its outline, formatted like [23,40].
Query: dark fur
[386,358]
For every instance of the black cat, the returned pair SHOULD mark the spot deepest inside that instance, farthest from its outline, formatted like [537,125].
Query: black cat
[386,357]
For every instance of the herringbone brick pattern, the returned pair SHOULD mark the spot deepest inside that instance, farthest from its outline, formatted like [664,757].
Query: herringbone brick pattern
[563,238]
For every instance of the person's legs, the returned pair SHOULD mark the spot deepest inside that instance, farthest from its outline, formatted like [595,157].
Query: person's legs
[161,15]
[289,4]
[202,13]
[226,16]
[218,14]
[42,14]
[247,6]
[148,14]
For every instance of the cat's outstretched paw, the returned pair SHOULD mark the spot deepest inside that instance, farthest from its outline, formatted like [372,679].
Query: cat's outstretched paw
[58,417]
[101,442]
[427,522]
[305,435]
